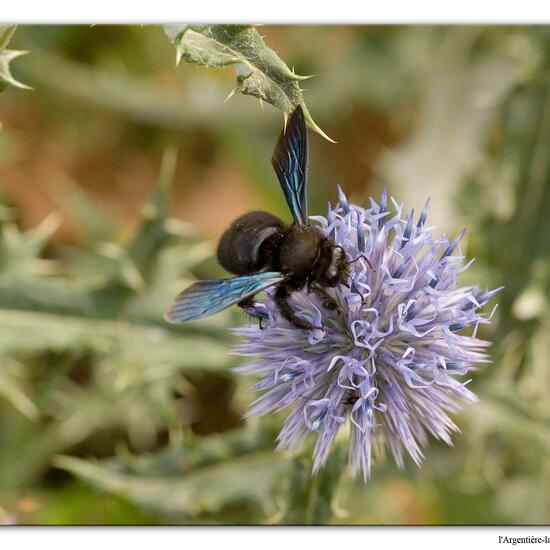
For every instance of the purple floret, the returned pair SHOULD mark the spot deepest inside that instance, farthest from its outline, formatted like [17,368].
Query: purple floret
[390,363]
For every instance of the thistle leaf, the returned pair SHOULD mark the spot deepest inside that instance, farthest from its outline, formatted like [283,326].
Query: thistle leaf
[96,222]
[194,489]
[14,388]
[260,71]
[140,344]
[6,57]
[20,251]
[152,235]
[6,32]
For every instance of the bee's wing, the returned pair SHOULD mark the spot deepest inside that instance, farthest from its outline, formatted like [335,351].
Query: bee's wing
[290,163]
[208,297]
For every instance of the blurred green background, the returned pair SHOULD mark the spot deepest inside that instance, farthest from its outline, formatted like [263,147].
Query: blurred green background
[119,171]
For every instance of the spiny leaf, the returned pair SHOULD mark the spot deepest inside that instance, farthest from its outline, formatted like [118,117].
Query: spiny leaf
[152,235]
[20,251]
[6,57]
[6,32]
[13,389]
[95,221]
[204,490]
[28,331]
[260,71]
[190,452]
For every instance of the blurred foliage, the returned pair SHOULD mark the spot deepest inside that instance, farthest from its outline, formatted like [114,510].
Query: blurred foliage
[84,346]
[108,414]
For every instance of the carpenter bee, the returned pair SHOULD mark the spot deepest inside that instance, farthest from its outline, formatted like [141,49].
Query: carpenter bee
[263,251]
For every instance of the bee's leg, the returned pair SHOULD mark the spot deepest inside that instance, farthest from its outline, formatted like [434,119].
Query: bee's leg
[249,306]
[327,300]
[281,299]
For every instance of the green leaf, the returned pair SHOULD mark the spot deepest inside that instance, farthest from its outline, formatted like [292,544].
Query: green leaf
[193,453]
[260,71]
[505,413]
[6,57]
[94,220]
[6,33]
[20,251]
[151,236]
[202,490]
[94,344]
[13,389]
[28,331]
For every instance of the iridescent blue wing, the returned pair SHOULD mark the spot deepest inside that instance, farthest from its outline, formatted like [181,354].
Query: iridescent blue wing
[290,163]
[208,297]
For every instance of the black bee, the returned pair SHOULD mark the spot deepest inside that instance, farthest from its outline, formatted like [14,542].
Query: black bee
[263,251]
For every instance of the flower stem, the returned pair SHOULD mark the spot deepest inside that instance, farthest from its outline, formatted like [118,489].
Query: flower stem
[316,510]
[310,497]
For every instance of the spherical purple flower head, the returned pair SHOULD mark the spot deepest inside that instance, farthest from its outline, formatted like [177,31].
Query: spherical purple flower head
[390,362]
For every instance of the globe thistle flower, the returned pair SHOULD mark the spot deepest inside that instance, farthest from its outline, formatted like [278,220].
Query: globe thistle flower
[390,362]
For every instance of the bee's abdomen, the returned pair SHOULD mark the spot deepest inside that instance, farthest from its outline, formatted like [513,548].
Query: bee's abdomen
[249,243]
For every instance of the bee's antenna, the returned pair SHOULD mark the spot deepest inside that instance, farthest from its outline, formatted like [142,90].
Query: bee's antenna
[373,269]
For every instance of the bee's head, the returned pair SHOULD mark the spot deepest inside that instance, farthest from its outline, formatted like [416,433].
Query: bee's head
[337,270]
